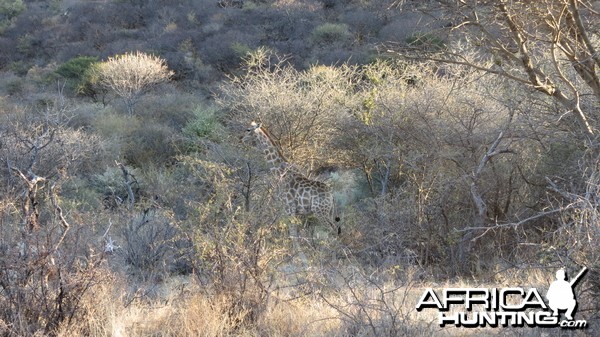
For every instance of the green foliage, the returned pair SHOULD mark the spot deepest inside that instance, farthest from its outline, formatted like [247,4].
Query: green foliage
[80,75]
[26,45]
[142,143]
[331,33]
[81,196]
[15,87]
[426,40]
[110,184]
[240,49]
[205,123]
[77,67]
[171,107]
[111,125]
[9,9]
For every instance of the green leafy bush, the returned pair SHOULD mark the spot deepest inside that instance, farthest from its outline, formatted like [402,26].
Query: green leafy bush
[205,123]
[426,40]
[329,33]
[78,72]
[170,107]
[9,9]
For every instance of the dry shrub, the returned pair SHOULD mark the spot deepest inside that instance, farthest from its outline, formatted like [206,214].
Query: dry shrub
[40,140]
[299,108]
[49,261]
[236,252]
[186,310]
[358,301]
[444,156]
[454,161]
[132,75]
[574,241]
[149,244]
[300,317]
[46,270]
[101,310]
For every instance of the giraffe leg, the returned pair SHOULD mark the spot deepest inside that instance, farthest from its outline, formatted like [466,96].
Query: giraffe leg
[297,249]
[290,209]
[324,219]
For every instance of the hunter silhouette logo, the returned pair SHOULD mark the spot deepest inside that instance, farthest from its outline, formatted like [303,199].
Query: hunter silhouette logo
[560,295]
[515,306]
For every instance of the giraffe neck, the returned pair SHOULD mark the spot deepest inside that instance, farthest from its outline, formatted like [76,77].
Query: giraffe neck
[272,155]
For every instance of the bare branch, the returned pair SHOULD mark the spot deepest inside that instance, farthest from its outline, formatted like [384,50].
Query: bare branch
[486,229]
[129,181]
[582,31]
[518,45]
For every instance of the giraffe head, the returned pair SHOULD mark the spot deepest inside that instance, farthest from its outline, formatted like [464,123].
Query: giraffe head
[256,136]
[252,134]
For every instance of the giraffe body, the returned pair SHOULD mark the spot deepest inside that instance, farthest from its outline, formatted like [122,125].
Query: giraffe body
[301,195]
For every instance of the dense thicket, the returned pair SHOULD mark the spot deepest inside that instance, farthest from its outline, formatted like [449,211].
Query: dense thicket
[460,142]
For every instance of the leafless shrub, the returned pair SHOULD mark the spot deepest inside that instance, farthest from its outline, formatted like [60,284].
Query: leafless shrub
[42,286]
[47,261]
[300,109]
[132,75]
[372,303]
[237,253]
[556,57]
[40,141]
[574,241]
[149,244]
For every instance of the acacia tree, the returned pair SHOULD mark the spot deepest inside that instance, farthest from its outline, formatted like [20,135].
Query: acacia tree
[132,75]
[548,45]
[300,108]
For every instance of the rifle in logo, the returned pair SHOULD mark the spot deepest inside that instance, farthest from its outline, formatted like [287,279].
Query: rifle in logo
[508,306]
[560,294]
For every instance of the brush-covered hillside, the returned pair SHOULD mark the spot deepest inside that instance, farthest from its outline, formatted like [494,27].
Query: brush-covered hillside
[293,167]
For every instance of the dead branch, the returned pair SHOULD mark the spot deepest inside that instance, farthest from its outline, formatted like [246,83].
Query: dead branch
[490,153]
[59,214]
[516,49]
[129,181]
[486,229]
[29,205]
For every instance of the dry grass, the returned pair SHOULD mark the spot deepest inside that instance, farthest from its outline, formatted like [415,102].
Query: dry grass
[185,308]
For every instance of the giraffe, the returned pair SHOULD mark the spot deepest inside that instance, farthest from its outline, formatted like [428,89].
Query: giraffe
[301,195]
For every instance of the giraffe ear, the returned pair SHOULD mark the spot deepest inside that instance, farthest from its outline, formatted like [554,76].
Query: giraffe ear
[254,126]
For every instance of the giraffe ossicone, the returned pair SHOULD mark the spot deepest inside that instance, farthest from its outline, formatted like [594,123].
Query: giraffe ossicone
[300,194]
